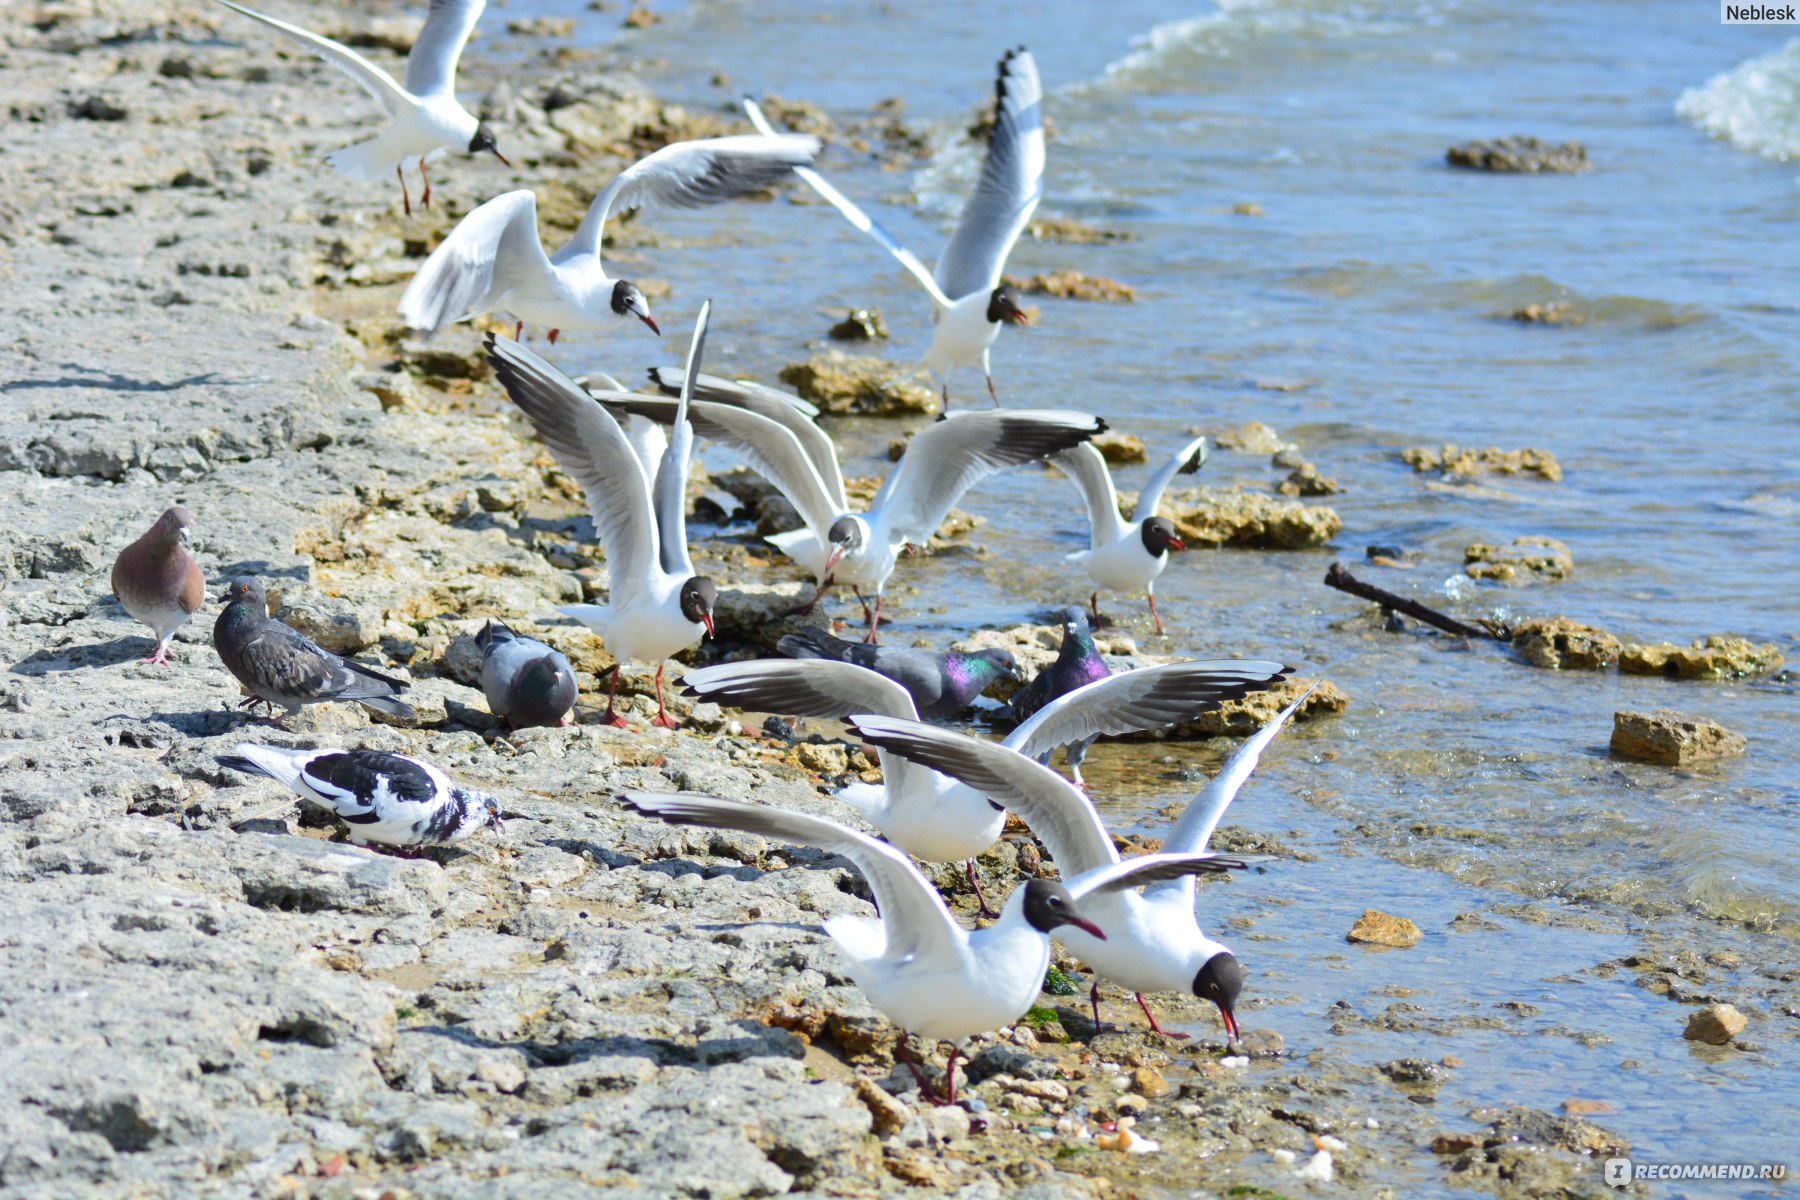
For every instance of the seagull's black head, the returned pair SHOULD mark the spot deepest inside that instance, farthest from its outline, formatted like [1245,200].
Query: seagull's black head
[1048,905]
[247,589]
[1004,308]
[627,301]
[483,143]
[1220,981]
[1159,536]
[697,597]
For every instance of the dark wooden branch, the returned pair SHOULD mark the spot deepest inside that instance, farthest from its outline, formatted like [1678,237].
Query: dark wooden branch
[1344,581]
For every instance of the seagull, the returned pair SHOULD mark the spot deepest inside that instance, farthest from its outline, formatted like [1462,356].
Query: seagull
[838,545]
[926,973]
[969,303]
[941,683]
[658,605]
[158,581]
[526,682]
[494,259]
[426,119]
[280,667]
[1078,663]
[1156,944]
[1127,555]
[390,799]
[934,817]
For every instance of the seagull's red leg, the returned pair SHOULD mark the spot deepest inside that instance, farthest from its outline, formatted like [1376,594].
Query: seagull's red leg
[1094,606]
[610,717]
[662,716]
[805,610]
[1094,999]
[950,1076]
[426,198]
[400,174]
[874,622]
[1154,1027]
[975,883]
[925,1088]
[518,331]
[554,334]
[1154,614]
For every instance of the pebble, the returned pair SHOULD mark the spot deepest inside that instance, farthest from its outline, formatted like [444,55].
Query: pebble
[1716,1024]
[1672,739]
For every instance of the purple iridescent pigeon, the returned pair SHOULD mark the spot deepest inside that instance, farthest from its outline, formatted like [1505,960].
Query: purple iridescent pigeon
[941,685]
[1078,663]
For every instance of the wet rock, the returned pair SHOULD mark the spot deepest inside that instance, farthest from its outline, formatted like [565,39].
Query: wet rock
[1118,448]
[1149,1082]
[1235,517]
[1262,1043]
[1247,208]
[1556,643]
[1547,314]
[1672,739]
[98,108]
[1520,154]
[1577,1107]
[861,325]
[1380,929]
[541,27]
[1454,1143]
[1305,480]
[1072,232]
[1243,717]
[1466,462]
[1073,285]
[640,17]
[1414,1073]
[1716,1024]
[1252,437]
[1526,560]
[842,385]
[1715,657]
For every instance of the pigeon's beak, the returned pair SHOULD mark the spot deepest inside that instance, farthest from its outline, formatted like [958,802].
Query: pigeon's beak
[226,598]
[494,820]
[706,620]
[187,535]
[1177,544]
[1087,926]
[502,157]
[652,324]
[1231,1025]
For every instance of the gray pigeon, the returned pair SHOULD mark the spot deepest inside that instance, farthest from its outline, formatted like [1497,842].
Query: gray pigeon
[280,667]
[526,682]
[158,581]
[941,684]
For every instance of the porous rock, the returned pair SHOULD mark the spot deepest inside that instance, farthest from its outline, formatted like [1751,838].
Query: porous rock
[1716,1024]
[843,385]
[1715,657]
[1383,929]
[1526,560]
[1235,517]
[1520,154]
[1555,643]
[1671,738]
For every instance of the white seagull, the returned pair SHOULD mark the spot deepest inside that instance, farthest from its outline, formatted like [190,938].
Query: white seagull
[1126,555]
[837,544]
[969,304]
[391,799]
[1154,944]
[657,605]
[425,118]
[932,816]
[929,975]
[494,259]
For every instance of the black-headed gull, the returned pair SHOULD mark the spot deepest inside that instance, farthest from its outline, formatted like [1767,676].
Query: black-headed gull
[391,799]
[1123,555]
[926,973]
[969,303]
[425,118]
[493,259]
[656,605]
[837,544]
[933,816]
[1154,943]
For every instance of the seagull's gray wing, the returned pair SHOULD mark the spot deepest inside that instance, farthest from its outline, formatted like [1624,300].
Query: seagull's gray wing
[917,923]
[1144,699]
[1147,869]
[591,447]
[670,490]
[489,250]
[1185,461]
[801,687]
[745,393]
[1062,817]
[431,64]
[789,411]
[1195,828]
[948,457]
[1012,182]
[375,81]
[1087,467]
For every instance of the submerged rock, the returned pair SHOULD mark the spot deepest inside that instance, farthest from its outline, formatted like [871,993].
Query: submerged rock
[842,385]
[860,325]
[1520,154]
[1377,928]
[1073,232]
[1467,461]
[1526,560]
[1715,657]
[1305,480]
[1116,447]
[1671,738]
[1557,642]
[1234,517]
[1073,285]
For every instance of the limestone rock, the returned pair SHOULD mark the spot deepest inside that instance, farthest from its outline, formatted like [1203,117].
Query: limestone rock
[1520,154]
[1073,285]
[842,385]
[1715,657]
[860,325]
[1380,929]
[1467,461]
[1073,232]
[1252,437]
[1305,480]
[1526,560]
[1116,447]
[336,624]
[1243,717]
[1671,738]
[1716,1024]
[1557,642]
[1233,517]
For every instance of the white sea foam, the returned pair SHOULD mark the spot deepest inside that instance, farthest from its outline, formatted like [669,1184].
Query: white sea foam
[1755,106]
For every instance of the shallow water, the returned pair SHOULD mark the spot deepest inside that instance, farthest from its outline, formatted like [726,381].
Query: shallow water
[1374,293]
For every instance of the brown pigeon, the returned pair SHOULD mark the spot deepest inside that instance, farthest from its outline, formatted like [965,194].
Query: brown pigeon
[280,667]
[158,581]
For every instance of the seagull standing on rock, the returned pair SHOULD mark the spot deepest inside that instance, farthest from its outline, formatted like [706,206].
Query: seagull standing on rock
[494,260]
[158,581]
[526,682]
[281,668]
[390,799]
[926,973]
[426,118]
[657,606]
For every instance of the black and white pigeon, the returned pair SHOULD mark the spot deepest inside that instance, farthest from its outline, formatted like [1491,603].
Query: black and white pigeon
[526,682]
[389,799]
[941,684]
[158,581]
[1078,663]
[280,667]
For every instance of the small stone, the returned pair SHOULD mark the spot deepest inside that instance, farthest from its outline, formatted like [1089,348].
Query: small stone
[1526,560]
[1247,208]
[861,325]
[842,385]
[1380,929]
[888,1113]
[1672,739]
[1305,480]
[505,1074]
[1467,461]
[1577,1107]
[1520,154]
[1262,1043]
[1454,1143]
[1148,1081]
[1557,642]
[1716,1024]
[1116,447]
[546,27]
[640,17]
[1043,1089]
[826,759]
[1131,1102]
[1450,1060]
[1072,232]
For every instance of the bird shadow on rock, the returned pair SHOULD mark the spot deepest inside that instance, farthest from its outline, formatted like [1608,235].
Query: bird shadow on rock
[592,851]
[112,381]
[262,568]
[120,652]
[758,1041]
[675,868]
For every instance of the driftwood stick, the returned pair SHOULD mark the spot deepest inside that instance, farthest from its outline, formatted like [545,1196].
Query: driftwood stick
[1343,581]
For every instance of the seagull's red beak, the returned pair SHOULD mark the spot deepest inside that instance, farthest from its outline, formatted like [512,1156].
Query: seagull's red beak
[1087,926]
[706,620]
[831,560]
[1177,544]
[502,157]
[1231,1025]
[1020,317]
[652,325]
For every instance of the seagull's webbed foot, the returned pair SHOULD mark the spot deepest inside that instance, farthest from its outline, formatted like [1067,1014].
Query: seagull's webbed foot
[609,717]
[1154,1027]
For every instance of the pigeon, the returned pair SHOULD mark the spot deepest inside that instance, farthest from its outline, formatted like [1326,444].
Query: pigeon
[926,973]
[158,581]
[657,605]
[837,545]
[494,259]
[1127,555]
[940,684]
[281,668]
[526,682]
[390,799]
[969,303]
[1155,944]
[1078,663]
[426,118]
